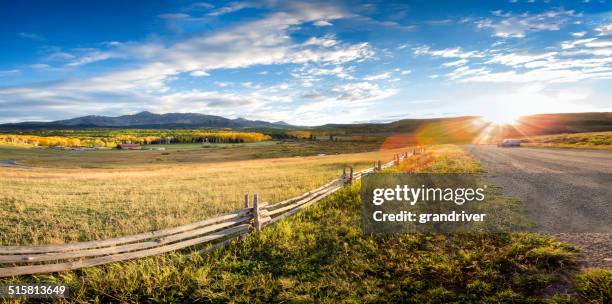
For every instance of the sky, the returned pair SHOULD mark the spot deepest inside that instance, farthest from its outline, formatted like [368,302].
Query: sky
[306,62]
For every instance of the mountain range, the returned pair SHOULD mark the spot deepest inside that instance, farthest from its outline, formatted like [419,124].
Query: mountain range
[529,125]
[150,120]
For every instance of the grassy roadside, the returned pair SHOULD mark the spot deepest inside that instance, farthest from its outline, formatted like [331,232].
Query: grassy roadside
[591,140]
[321,255]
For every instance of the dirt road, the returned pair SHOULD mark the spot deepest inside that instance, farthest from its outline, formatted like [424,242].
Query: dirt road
[567,192]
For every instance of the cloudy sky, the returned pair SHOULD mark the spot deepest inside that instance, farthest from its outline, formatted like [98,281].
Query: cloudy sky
[305,63]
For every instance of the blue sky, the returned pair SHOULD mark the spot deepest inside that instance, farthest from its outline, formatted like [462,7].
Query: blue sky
[306,63]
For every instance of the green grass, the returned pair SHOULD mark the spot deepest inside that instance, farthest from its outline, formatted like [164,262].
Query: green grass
[321,255]
[595,286]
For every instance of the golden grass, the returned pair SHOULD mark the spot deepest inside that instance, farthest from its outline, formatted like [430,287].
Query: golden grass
[48,205]
[590,140]
[441,159]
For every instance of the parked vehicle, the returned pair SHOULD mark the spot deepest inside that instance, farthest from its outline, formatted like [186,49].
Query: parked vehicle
[509,143]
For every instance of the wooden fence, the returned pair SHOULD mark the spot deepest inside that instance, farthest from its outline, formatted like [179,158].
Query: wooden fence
[215,232]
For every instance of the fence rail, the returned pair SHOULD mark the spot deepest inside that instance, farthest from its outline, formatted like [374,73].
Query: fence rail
[217,231]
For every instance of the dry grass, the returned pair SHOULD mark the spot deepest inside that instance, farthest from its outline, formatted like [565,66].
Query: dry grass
[43,205]
[591,140]
[441,159]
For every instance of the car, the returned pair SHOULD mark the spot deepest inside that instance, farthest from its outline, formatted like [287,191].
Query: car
[510,143]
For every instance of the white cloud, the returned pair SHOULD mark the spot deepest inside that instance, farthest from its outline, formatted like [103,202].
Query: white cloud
[381,76]
[446,53]
[362,92]
[556,72]
[514,59]
[338,71]
[232,7]
[94,56]
[260,42]
[507,25]
[199,73]
[327,41]
[455,63]
[322,23]
[223,84]
[574,61]
[574,43]
[599,44]
[466,72]
[579,34]
[588,42]
[604,29]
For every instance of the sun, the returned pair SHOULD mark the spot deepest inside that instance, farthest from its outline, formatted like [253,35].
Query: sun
[501,118]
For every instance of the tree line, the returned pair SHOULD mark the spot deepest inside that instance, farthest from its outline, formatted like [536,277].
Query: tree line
[114,138]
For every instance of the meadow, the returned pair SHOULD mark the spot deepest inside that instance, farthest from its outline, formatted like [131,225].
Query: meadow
[321,255]
[588,140]
[68,200]
[192,153]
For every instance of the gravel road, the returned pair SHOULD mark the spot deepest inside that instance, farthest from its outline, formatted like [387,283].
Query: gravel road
[567,192]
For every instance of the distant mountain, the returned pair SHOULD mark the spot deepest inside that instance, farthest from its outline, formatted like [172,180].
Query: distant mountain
[150,120]
[432,127]
[281,123]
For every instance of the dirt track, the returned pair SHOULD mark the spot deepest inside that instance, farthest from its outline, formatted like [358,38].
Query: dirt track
[567,192]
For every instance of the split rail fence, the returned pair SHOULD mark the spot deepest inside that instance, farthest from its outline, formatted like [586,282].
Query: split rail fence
[214,232]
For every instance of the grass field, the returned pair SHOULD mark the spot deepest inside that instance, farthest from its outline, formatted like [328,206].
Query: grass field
[591,140]
[321,255]
[56,205]
[178,153]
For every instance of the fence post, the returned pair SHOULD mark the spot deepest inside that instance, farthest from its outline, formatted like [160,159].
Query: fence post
[379,165]
[256,213]
[344,175]
[246,205]
[350,178]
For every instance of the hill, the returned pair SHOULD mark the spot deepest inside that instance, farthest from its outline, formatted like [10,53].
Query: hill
[468,129]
